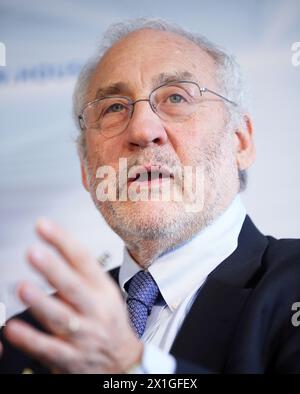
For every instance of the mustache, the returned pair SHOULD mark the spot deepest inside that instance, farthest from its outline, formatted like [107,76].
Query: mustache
[158,159]
[153,157]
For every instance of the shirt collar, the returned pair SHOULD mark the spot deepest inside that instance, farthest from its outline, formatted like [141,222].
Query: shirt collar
[183,269]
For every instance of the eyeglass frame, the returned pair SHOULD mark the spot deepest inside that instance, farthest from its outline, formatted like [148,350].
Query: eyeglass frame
[132,103]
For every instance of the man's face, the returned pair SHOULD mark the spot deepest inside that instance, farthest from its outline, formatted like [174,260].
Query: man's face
[139,62]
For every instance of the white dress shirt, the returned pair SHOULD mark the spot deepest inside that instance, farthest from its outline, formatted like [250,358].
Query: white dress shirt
[179,275]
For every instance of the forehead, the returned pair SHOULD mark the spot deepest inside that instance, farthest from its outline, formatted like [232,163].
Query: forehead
[140,60]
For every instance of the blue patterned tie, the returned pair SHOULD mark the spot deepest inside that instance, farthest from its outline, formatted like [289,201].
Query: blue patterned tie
[142,294]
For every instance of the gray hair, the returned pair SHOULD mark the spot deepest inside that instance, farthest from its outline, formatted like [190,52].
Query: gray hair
[229,73]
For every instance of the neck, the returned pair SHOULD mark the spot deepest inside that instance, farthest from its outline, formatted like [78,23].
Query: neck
[146,251]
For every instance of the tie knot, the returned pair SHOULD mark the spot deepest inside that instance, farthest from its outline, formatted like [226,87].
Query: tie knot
[143,288]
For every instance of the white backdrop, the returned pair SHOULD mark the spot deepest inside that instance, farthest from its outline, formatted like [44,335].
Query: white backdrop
[47,42]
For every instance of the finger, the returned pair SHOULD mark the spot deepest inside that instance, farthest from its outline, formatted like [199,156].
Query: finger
[70,286]
[70,249]
[54,315]
[51,351]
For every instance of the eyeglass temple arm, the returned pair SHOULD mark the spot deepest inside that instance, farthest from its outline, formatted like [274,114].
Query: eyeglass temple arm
[203,90]
[81,122]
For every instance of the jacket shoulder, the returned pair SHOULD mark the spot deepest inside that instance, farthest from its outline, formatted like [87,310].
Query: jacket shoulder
[282,254]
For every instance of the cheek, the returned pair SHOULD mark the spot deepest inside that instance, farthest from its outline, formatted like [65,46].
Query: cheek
[188,140]
[102,151]
[200,140]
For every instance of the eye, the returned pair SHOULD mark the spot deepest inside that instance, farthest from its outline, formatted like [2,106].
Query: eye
[176,98]
[116,107]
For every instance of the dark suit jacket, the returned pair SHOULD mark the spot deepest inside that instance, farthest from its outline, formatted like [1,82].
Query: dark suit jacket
[240,321]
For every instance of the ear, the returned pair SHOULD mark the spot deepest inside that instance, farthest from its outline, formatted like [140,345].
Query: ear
[84,175]
[245,148]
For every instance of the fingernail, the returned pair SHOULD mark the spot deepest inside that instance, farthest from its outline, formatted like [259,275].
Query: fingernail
[37,255]
[13,327]
[45,225]
[27,293]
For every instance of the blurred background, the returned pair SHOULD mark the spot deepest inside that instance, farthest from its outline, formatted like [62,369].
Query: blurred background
[47,42]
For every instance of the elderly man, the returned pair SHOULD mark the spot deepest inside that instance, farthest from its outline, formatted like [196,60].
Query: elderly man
[205,291]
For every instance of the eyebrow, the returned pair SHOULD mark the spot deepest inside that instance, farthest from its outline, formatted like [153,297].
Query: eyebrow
[121,88]
[116,88]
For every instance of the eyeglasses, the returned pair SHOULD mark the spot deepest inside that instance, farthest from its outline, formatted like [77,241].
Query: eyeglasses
[173,102]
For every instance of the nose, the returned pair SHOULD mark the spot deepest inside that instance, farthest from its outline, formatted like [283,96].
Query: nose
[145,128]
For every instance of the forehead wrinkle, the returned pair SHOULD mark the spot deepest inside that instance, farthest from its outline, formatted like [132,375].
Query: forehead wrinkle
[166,77]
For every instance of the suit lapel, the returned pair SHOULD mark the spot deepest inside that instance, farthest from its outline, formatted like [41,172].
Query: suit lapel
[205,335]
[209,327]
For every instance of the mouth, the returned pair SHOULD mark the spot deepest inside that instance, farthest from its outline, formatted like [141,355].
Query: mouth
[149,175]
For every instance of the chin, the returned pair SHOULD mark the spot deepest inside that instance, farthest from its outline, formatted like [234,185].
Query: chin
[156,220]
